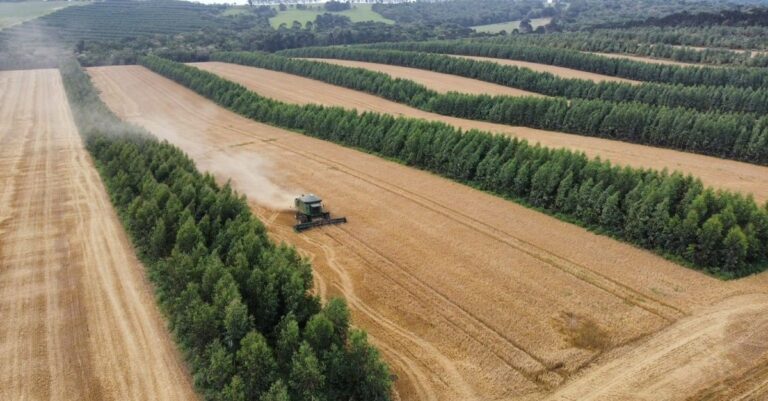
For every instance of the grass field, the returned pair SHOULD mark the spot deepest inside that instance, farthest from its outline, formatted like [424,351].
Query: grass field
[510,26]
[358,13]
[14,13]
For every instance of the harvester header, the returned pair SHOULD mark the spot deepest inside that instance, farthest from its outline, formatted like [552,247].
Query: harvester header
[310,213]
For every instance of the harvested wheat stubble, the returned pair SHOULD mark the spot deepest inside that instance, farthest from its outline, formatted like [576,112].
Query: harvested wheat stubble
[442,83]
[755,53]
[649,60]
[726,174]
[469,297]
[562,72]
[79,318]
[692,354]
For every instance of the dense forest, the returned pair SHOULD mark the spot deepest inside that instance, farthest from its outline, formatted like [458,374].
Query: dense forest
[44,41]
[571,15]
[117,32]
[238,304]
[198,46]
[734,136]
[588,14]
[465,12]
[630,69]
[120,19]
[726,37]
[757,16]
[720,232]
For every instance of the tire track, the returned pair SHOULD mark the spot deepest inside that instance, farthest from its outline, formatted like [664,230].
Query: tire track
[405,363]
[652,305]
[79,319]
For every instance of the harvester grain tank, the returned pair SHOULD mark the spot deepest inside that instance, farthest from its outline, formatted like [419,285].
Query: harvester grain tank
[310,213]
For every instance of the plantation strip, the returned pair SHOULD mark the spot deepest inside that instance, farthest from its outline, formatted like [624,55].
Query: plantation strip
[720,232]
[629,69]
[731,136]
[439,82]
[649,46]
[560,72]
[723,174]
[238,304]
[702,98]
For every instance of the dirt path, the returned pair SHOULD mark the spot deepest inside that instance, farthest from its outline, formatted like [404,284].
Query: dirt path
[79,319]
[439,82]
[727,174]
[552,69]
[470,297]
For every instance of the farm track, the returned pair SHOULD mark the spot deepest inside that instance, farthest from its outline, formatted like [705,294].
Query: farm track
[719,173]
[467,295]
[79,318]
[562,72]
[442,83]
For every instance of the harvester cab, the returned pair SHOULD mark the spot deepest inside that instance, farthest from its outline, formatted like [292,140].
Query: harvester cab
[310,213]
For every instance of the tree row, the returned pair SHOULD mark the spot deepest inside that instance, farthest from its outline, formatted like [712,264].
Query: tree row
[702,98]
[630,69]
[464,12]
[732,136]
[238,304]
[677,216]
[727,37]
[624,42]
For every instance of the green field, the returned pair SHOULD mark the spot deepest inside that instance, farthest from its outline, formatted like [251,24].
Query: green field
[510,26]
[358,13]
[14,13]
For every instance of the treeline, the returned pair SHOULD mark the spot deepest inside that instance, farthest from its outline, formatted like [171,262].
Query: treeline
[106,20]
[717,231]
[464,12]
[586,14]
[648,72]
[238,304]
[756,16]
[616,42]
[197,46]
[335,6]
[727,37]
[376,83]
[703,98]
[732,136]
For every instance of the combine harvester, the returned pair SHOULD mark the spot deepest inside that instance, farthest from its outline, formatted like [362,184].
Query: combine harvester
[310,213]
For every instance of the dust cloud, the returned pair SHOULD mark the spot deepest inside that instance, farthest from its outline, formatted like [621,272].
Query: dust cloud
[31,45]
[254,176]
